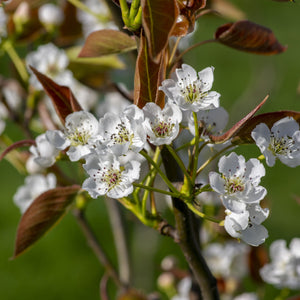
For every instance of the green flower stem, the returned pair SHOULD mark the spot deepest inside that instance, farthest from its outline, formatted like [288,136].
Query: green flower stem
[83,7]
[191,143]
[150,179]
[153,189]
[212,158]
[132,17]
[160,172]
[134,8]
[180,164]
[20,66]
[196,154]
[201,214]
[206,188]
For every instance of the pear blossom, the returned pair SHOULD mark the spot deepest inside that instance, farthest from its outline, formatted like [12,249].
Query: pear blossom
[44,153]
[283,271]
[49,60]
[121,133]
[282,141]
[34,186]
[238,183]
[113,102]
[3,20]
[231,265]
[212,121]
[90,22]
[50,14]
[247,225]
[192,92]
[161,125]
[80,133]
[184,288]
[246,296]
[107,176]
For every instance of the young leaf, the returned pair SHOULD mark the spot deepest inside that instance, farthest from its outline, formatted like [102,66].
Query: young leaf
[250,37]
[159,18]
[42,215]
[62,97]
[147,76]
[107,41]
[235,128]
[243,135]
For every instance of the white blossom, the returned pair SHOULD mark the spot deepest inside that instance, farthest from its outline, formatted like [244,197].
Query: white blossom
[80,133]
[162,125]
[192,92]
[49,60]
[109,177]
[184,287]
[231,265]
[3,20]
[212,121]
[113,102]
[50,14]
[247,224]
[282,141]
[121,133]
[44,153]
[239,181]
[246,296]
[34,186]
[90,22]
[284,269]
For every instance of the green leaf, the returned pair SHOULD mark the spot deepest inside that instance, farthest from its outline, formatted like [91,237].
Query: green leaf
[105,42]
[62,97]
[158,19]
[44,212]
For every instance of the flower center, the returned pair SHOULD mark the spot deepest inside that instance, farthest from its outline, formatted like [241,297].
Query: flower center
[123,135]
[281,146]
[192,92]
[162,129]
[111,178]
[78,136]
[234,185]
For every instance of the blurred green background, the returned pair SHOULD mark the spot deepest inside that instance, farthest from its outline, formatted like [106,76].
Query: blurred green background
[61,265]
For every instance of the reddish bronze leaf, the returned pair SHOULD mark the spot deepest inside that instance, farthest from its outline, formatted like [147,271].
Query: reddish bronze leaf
[105,42]
[15,145]
[62,97]
[147,76]
[185,22]
[250,37]
[243,135]
[159,18]
[42,215]
[235,128]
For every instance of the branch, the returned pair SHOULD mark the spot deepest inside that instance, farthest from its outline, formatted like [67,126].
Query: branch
[187,236]
[96,247]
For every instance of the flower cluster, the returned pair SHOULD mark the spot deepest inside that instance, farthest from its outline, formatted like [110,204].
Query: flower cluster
[238,185]
[106,144]
[284,269]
